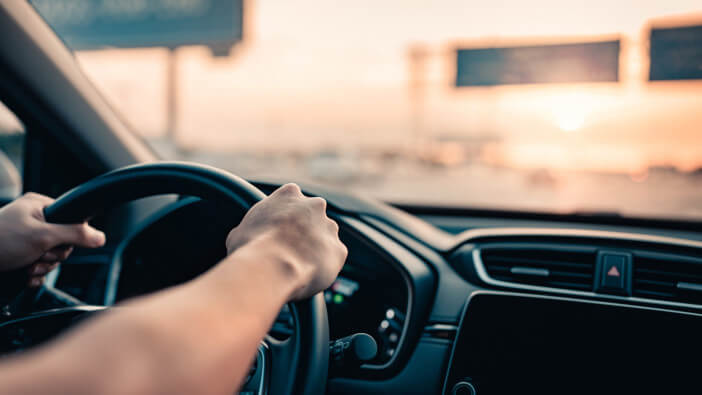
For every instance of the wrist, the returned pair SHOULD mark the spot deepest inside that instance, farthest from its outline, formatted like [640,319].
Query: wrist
[264,264]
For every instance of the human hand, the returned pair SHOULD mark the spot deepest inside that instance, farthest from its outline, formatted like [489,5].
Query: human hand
[27,240]
[296,231]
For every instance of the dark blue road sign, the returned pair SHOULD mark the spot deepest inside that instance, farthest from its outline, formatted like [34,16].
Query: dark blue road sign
[559,63]
[676,53]
[90,24]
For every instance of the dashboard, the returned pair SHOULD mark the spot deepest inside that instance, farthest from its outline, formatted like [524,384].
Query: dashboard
[371,295]
[493,309]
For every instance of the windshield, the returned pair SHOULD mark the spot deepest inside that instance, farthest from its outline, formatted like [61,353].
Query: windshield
[542,105]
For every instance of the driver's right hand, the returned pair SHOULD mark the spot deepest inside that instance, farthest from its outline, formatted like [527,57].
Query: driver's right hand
[295,231]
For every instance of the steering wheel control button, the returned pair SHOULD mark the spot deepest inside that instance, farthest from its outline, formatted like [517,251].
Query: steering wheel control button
[463,388]
[389,332]
[613,273]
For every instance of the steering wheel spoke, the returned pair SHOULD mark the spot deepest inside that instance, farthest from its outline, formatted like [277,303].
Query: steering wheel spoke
[258,379]
[28,331]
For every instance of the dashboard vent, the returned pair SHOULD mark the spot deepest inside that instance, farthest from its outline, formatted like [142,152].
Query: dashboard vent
[547,267]
[668,277]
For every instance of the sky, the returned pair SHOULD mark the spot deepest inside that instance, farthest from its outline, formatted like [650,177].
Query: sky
[320,75]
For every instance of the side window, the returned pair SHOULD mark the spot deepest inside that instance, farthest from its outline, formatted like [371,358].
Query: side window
[11,154]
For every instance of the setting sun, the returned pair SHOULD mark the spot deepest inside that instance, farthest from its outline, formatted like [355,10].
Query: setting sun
[569,111]
[570,121]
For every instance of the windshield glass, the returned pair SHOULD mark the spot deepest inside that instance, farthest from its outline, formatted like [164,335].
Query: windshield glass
[538,105]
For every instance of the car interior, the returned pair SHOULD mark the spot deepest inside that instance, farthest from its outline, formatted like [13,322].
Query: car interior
[432,298]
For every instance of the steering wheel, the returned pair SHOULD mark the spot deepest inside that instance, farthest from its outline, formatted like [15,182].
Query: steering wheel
[297,365]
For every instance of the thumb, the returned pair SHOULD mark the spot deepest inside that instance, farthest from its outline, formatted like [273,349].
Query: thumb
[82,235]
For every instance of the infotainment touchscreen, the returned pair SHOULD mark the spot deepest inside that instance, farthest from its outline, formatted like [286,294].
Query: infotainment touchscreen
[527,344]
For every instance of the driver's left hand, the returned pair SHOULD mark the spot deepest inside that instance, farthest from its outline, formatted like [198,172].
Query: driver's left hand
[27,240]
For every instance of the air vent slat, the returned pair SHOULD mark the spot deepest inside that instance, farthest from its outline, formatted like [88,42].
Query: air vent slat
[529,271]
[645,282]
[668,274]
[505,260]
[649,293]
[586,276]
[668,277]
[563,284]
[545,267]
[694,287]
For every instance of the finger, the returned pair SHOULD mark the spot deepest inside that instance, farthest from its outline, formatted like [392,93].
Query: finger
[41,269]
[32,268]
[318,203]
[59,253]
[51,267]
[290,189]
[344,252]
[333,226]
[44,200]
[82,235]
[35,282]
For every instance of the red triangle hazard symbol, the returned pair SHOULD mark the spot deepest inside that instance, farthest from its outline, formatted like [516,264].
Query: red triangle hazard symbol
[613,272]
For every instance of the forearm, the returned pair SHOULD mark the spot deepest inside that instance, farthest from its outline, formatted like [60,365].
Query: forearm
[199,337]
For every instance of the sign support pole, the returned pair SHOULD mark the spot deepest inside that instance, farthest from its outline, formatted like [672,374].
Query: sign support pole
[171,95]
[417,62]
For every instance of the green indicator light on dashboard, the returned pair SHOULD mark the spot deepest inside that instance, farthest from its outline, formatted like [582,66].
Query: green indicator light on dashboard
[338,298]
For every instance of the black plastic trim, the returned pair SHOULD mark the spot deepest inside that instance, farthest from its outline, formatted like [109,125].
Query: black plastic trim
[540,296]
[566,235]
[421,283]
[467,256]
[452,289]
[578,218]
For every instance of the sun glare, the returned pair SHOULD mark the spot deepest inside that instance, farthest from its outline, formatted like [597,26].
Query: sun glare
[570,122]
[569,111]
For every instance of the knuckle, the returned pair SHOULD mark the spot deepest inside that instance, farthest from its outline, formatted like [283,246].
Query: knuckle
[343,249]
[286,188]
[318,202]
[291,188]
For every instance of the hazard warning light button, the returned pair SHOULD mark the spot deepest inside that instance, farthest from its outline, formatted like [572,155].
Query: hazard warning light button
[613,274]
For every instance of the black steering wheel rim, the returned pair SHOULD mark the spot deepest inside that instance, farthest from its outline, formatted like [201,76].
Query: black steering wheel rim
[308,348]
[143,180]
